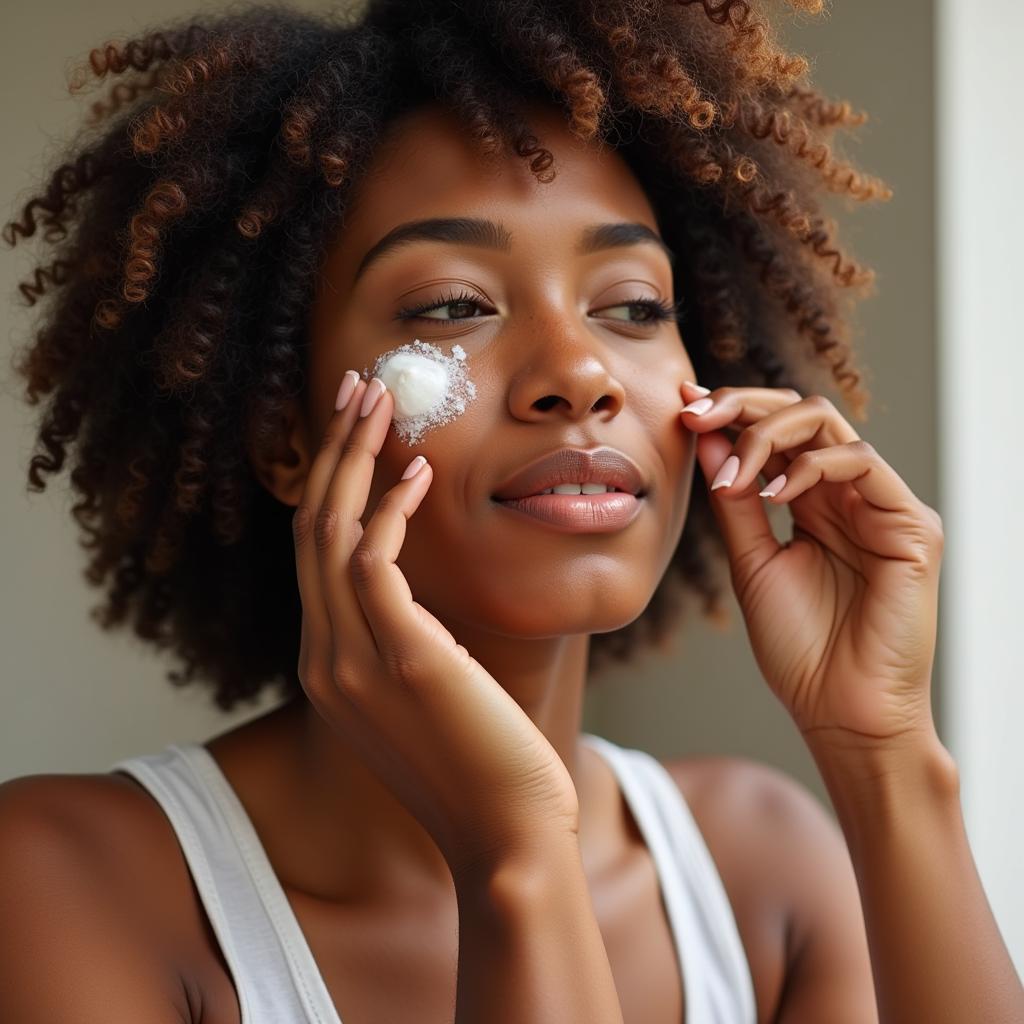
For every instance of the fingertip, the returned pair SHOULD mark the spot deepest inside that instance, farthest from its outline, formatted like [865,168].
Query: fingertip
[414,467]
[346,390]
[699,407]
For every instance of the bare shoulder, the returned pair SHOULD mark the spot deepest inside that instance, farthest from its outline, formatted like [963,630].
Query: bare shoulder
[737,800]
[78,860]
[92,813]
[787,871]
[106,822]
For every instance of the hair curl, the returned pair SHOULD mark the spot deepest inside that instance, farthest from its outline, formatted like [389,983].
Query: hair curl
[189,215]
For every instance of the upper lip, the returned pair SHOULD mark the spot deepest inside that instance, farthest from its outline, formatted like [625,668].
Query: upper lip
[603,465]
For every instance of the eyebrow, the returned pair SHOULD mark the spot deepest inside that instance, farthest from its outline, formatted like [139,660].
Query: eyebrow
[486,234]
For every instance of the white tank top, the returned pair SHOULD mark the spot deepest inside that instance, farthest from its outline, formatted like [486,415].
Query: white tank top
[274,973]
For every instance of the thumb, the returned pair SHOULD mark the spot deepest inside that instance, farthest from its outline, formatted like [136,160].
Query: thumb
[749,539]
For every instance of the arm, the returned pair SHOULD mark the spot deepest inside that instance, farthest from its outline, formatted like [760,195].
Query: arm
[68,951]
[530,950]
[936,951]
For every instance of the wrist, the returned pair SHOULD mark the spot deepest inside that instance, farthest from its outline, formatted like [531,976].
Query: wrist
[874,782]
[520,870]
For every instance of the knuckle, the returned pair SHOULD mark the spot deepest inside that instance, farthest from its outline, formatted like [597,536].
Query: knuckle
[342,676]
[302,523]
[822,402]
[330,436]
[806,459]
[315,682]
[402,664]
[352,446]
[326,527]
[938,536]
[364,563]
[755,432]
[864,448]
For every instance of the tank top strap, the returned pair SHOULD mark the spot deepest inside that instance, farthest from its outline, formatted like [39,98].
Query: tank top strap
[276,977]
[717,979]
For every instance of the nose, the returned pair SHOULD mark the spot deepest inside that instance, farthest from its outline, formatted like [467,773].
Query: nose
[563,371]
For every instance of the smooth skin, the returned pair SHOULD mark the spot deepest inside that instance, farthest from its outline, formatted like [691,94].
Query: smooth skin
[374,794]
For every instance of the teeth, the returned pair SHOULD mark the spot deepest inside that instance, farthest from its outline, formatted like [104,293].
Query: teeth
[579,489]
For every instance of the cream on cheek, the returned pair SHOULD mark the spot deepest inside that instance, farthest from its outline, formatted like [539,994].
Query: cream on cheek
[429,388]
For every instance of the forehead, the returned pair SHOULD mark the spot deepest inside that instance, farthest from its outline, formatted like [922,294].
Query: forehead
[426,165]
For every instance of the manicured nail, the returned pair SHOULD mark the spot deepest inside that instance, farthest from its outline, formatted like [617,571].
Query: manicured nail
[374,390]
[727,474]
[414,467]
[774,487]
[700,389]
[699,407]
[347,389]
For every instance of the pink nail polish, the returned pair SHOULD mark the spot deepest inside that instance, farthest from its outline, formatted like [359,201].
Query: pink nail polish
[700,389]
[699,407]
[347,389]
[727,474]
[373,392]
[414,467]
[773,487]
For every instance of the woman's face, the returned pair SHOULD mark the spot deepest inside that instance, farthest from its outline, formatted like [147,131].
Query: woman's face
[556,355]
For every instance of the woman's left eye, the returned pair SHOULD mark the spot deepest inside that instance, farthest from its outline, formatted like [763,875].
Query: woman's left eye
[656,310]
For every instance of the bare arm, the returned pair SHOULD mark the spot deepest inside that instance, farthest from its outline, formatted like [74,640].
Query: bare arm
[69,950]
[530,950]
[936,951]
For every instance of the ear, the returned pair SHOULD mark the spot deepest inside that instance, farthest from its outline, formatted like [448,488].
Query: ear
[279,453]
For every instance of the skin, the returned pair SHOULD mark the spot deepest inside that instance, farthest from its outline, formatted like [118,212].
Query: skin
[388,766]
[531,633]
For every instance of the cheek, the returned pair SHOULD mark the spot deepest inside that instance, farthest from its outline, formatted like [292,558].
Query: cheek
[430,388]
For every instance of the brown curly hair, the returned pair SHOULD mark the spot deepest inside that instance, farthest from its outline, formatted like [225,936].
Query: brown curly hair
[189,215]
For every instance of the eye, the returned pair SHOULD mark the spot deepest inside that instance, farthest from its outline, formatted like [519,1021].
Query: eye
[450,301]
[653,310]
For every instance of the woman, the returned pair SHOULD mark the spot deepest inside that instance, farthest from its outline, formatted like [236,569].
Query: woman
[420,830]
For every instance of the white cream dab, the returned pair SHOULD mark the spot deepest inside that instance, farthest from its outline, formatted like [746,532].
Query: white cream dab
[429,388]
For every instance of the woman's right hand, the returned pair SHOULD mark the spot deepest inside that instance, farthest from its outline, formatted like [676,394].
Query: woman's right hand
[455,748]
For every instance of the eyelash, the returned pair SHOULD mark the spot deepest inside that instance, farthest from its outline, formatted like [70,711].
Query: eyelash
[660,309]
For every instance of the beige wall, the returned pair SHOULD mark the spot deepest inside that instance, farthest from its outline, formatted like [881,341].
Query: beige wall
[74,699]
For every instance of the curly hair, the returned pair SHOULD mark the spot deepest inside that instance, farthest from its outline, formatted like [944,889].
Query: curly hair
[188,217]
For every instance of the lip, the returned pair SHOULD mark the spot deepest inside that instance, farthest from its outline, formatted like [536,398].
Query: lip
[604,465]
[578,513]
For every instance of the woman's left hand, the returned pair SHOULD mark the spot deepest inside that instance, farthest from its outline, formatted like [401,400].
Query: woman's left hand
[842,618]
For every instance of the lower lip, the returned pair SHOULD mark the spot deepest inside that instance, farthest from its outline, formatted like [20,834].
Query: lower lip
[579,513]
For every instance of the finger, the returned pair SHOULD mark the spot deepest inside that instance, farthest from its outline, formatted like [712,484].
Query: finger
[400,628]
[734,407]
[316,619]
[743,520]
[856,463]
[810,424]
[339,526]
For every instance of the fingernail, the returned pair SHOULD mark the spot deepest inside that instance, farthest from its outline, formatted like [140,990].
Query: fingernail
[774,487]
[414,467]
[700,389]
[347,389]
[374,390]
[699,407]
[727,474]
